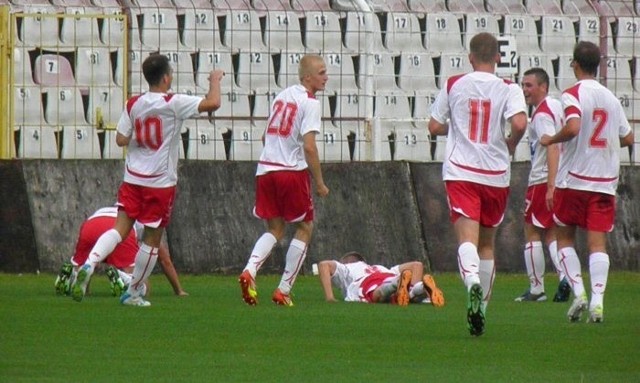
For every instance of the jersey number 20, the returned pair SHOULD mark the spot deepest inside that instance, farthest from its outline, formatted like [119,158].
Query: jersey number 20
[281,121]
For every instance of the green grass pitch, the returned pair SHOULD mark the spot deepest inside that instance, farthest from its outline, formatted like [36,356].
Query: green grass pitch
[212,336]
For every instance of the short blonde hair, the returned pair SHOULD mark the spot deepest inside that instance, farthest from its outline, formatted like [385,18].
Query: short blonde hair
[307,65]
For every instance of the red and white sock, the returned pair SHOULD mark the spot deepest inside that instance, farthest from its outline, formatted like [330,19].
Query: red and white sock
[487,276]
[103,247]
[260,253]
[469,264]
[534,260]
[599,273]
[145,262]
[553,254]
[570,263]
[294,259]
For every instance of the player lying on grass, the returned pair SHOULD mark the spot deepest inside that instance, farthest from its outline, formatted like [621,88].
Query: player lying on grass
[361,282]
[119,262]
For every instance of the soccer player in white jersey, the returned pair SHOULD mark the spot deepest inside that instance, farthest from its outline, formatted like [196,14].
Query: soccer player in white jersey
[538,215]
[595,129]
[361,282]
[150,128]
[283,189]
[476,168]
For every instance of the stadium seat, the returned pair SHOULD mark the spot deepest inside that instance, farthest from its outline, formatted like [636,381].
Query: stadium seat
[421,104]
[383,74]
[514,7]
[628,36]
[452,64]
[333,145]
[416,72]
[137,83]
[311,5]
[265,6]
[543,61]
[261,106]
[615,8]
[477,23]
[111,150]
[110,100]
[322,31]
[201,30]
[112,29]
[159,29]
[23,70]
[443,34]
[427,6]
[41,30]
[558,34]
[362,29]
[183,73]
[246,139]
[438,147]
[242,31]
[578,8]
[543,7]
[403,33]
[383,6]
[412,144]
[566,77]
[205,141]
[28,109]
[523,28]
[288,69]
[64,106]
[80,142]
[211,60]
[619,74]
[358,140]
[53,70]
[466,6]
[340,70]
[93,67]
[282,32]
[234,104]
[256,71]
[590,29]
[37,142]
[351,105]
[76,32]
[391,105]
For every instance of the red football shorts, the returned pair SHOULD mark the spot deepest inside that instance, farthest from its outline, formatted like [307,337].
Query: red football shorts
[589,210]
[123,255]
[481,203]
[149,206]
[370,283]
[285,194]
[536,212]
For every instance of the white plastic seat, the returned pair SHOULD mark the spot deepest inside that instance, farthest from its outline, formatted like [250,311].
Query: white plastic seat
[93,67]
[322,31]
[40,30]
[392,105]
[578,8]
[37,142]
[543,7]
[466,6]
[523,28]
[288,69]
[566,78]
[28,109]
[80,31]
[630,102]
[417,72]
[358,132]
[590,29]
[311,5]
[360,28]
[453,64]
[201,30]
[543,61]
[256,71]
[558,34]
[205,141]
[80,141]
[428,6]
[137,83]
[110,100]
[350,104]
[341,71]
[628,36]
[332,144]
[246,139]
[211,60]
[159,29]
[23,70]
[111,149]
[53,70]
[234,104]
[403,33]
[619,74]
[112,30]
[422,101]
[282,32]
[477,23]
[243,31]
[443,34]
[262,105]
[384,76]
[411,144]
[184,77]
[64,106]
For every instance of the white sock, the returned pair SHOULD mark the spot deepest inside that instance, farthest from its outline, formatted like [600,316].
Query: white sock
[469,264]
[103,247]
[417,290]
[294,259]
[553,253]
[599,271]
[570,263]
[144,264]
[534,259]
[126,277]
[260,253]
[487,276]
[388,288]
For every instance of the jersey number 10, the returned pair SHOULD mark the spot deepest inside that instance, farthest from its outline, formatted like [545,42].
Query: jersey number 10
[149,132]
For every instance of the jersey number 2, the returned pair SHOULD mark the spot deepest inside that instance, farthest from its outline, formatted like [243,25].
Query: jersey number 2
[479,116]
[281,122]
[600,117]
[149,132]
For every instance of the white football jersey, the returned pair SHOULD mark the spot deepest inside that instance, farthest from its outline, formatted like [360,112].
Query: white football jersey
[546,119]
[478,105]
[294,113]
[349,276]
[591,159]
[153,121]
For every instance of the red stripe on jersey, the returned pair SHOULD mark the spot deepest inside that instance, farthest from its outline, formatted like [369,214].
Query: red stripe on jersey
[276,164]
[142,175]
[593,179]
[544,108]
[311,95]
[571,110]
[574,91]
[452,81]
[480,171]
[167,98]
[507,81]
[132,101]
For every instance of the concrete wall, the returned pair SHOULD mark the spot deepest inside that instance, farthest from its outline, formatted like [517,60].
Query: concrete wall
[390,211]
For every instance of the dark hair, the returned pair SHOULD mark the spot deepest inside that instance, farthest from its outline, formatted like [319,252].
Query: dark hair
[541,75]
[155,67]
[587,55]
[484,46]
[351,257]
